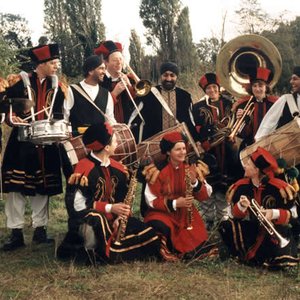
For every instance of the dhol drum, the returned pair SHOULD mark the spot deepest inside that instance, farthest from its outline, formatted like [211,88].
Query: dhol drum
[126,151]
[282,143]
[150,148]
[44,132]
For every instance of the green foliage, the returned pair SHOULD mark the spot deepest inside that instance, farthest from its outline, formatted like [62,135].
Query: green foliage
[76,25]
[8,61]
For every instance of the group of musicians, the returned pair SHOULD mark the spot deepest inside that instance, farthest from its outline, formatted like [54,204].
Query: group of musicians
[253,209]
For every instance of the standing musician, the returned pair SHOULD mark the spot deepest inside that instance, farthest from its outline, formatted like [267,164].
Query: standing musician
[283,111]
[115,81]
[30,170]
[211,115]
[179,101]
[259,102]
[88,92]
[259,233]
[99,192]
[169,195]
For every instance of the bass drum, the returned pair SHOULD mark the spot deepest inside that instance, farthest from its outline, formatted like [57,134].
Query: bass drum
[126,151]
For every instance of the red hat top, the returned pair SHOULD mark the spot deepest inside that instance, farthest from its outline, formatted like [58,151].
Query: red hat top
[169,140]
[260,73]
[44,53]
[97,136]
[108,47]
[264,161]
[207,79]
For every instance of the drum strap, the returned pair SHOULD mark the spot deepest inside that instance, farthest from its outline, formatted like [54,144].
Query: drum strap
[87,97]
[163,102]
[292,105]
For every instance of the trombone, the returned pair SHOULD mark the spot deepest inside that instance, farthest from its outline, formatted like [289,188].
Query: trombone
[142,86]
[240,123]
[254,207]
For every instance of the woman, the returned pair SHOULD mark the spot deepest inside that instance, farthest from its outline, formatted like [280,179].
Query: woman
[243,233]
[260,100]
[169,195]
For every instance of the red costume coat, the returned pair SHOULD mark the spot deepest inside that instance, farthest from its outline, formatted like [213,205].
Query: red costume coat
[170,185]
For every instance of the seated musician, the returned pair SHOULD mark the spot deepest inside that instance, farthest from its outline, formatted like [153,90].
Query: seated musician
[28,169]
[99,192]
[243,233]
[169,209]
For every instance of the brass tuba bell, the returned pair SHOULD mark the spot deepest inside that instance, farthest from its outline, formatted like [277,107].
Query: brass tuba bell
[241,55]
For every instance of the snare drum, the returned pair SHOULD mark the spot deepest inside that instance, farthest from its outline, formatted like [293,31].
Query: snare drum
[23,133]
[46,132]
[150,147]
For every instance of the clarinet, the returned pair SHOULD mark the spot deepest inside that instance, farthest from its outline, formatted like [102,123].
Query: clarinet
[188,193]
[128,200]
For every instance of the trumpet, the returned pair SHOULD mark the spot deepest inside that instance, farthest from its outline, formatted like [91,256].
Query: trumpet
[240,123]
[142,86]
[254,207]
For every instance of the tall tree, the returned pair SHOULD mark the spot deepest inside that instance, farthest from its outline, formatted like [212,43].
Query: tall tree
[76,25]
[253,19]
[14,30]
[160,19]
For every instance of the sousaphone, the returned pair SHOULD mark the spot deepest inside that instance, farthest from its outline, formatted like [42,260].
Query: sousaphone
[242,54]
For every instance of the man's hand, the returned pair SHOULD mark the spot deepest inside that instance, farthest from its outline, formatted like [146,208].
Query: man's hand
[121,210]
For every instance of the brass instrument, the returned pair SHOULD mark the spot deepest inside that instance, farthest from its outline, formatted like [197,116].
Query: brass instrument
[188,192]
[244,53]
[128,200]
[241,122]
[254,207]
[142,86]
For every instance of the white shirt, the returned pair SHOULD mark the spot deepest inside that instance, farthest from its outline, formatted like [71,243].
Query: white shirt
[92,91]
[271,118]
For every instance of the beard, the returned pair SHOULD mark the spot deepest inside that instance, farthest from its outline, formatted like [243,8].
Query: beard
[168,85]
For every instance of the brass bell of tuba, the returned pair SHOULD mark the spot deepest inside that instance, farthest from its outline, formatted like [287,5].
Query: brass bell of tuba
[242,54]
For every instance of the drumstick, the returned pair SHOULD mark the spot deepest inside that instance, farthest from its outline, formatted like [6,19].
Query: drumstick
[43,110]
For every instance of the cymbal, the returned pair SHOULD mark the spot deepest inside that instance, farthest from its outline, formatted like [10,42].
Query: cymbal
[19,105]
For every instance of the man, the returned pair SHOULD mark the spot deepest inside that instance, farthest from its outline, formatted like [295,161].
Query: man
[282,112]
[179,101]
[88,102]
[30,170]
[115,81]
[101,199]
[243,233]
[211,115]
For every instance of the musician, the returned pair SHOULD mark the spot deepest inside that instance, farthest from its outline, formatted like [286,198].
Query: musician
[30,170]
[157,118]
[211,115]
[242,233]
[260,99]
[282,112]
[116,81]
[88,92]
[98,189]
[169,195]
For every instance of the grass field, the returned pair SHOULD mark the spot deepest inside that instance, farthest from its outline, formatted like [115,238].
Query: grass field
[34,273]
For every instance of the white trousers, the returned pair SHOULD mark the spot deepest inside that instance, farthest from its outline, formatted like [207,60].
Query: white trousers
[15,210]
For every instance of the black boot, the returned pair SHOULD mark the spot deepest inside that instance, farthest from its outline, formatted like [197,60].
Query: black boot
[15,241]
[40,236]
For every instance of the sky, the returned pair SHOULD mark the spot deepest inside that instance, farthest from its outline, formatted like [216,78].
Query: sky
[120,16]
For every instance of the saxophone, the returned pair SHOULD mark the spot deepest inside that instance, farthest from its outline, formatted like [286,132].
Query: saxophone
[188,193]
[128,200]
